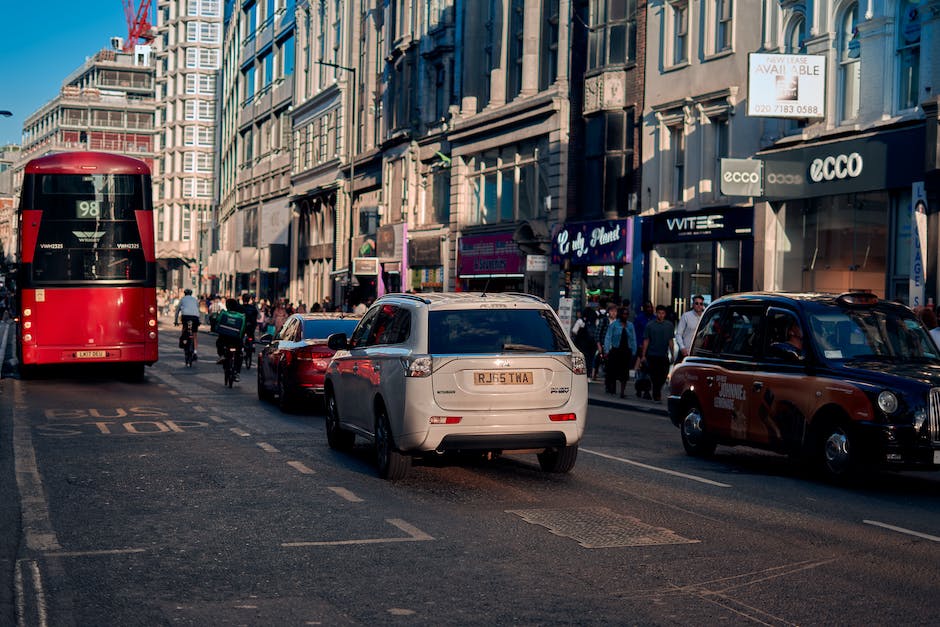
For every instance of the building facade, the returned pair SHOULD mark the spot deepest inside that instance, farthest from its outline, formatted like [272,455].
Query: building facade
[256,92]
[189,46]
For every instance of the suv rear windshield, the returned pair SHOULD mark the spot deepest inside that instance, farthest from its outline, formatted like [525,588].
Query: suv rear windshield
[487,331]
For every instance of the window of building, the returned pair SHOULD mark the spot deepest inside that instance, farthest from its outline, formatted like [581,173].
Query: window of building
[209,32]
[516,36]
[677,149]
[608,158]
[796,34]
[186,233]
[192,31]
[192,58]
[507,184]
[908,35]
[720,132]
[287,57]
[849,63]
[612,36]
[248,78]
[548,59]
[250,232]
[677,15]
[724,25]
[209,59]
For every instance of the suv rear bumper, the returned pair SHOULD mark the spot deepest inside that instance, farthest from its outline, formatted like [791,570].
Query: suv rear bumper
[489,430]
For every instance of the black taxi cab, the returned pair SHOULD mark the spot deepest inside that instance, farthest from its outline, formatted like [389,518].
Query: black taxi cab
[848,381]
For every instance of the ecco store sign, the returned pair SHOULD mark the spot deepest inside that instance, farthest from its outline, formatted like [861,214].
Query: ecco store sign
[881,160]
[834,167]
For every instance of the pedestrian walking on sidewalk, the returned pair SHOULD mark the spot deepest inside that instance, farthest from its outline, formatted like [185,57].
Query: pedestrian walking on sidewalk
[620,346]
[658,344]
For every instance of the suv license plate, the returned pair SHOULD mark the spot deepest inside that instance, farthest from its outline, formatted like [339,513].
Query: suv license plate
[504,377]
[90,354]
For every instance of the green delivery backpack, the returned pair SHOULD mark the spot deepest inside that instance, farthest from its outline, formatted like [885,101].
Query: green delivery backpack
[231,324]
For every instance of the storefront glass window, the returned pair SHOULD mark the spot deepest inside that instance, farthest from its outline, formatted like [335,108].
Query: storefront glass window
[509,184]
[839,242]
[683,270]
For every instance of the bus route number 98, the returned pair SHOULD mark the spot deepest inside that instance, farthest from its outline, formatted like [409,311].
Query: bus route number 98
[88,209]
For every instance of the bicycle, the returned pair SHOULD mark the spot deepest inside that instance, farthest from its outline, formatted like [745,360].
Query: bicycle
[248,349]
[229,366]
[188,344]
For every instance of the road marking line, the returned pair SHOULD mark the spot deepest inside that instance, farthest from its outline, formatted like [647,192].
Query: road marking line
[217,418]
[346,494]
[657,469]
[267,448]
[172,392]
[414,535]
[185,399]
[198,408]
[36,523]
[240,432]
[300,467]
[20,590]
[910,532]
[93,553]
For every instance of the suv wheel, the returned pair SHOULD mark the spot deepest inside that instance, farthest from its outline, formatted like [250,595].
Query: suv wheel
[694,439]
[558,460]
[392,464]
[338,438]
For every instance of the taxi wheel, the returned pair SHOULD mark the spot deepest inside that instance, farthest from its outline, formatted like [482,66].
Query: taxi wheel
[694,439]
[838,454]
[392,464]
[338,438]
[558,460]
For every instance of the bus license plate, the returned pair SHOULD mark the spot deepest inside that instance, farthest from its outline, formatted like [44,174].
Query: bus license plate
[90,354]
[505,377]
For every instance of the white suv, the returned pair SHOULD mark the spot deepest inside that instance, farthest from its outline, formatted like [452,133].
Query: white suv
[428,374]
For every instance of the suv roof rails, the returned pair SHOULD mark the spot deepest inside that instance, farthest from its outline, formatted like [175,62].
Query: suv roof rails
[416,297]
[525,295]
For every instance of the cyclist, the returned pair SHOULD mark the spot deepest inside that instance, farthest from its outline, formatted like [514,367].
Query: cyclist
[189,308]
[231,330]
[251,322]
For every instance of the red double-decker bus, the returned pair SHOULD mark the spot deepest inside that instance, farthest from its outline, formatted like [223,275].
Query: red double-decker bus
[87,274]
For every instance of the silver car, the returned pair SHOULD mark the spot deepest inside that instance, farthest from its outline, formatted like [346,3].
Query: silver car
[429,374]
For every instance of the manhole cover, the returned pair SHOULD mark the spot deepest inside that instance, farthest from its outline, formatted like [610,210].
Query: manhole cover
[599,528]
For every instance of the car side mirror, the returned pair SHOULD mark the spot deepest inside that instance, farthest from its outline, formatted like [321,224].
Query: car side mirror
[337,341]
[266,339]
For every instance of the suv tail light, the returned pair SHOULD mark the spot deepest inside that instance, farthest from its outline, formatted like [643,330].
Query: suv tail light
[417,366]
[578,365]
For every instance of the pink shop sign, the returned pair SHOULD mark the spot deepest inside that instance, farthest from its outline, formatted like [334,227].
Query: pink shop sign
[490,255]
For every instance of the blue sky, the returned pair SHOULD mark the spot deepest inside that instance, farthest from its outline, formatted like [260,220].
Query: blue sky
[42,42]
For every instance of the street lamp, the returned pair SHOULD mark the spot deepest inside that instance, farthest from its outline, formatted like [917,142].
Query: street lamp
[354,145]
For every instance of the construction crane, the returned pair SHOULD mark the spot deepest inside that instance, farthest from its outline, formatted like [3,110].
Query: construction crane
[138,24]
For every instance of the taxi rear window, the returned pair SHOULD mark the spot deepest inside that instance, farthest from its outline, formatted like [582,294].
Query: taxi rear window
[488,331]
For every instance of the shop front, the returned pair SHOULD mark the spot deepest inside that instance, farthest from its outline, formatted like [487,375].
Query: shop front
[708,252]
[425,263]
[594,257]
[839,213]
[490,262]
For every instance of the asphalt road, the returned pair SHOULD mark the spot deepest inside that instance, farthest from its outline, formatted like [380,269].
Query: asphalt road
[177,501]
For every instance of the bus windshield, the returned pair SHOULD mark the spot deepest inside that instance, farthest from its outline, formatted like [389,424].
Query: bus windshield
[88,230]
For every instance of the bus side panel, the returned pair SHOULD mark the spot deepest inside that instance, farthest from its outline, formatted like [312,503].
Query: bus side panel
[101,324]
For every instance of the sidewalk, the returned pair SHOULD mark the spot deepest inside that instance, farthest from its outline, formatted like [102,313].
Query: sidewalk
[597,396]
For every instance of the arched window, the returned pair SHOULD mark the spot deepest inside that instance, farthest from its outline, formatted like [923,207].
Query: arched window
[796,34]
[849,62]
[908,38]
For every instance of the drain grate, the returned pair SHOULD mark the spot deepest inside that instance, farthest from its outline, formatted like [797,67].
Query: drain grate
[599,528]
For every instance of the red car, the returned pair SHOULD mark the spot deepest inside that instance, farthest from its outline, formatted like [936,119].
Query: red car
[291,364]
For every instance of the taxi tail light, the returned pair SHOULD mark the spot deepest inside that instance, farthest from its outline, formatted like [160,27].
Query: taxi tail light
[562,417]
[417,366]
[445,420]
